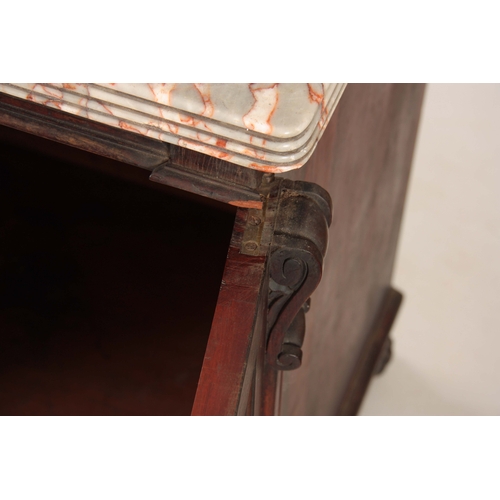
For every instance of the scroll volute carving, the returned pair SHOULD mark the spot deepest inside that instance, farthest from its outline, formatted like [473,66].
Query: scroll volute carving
[296,262]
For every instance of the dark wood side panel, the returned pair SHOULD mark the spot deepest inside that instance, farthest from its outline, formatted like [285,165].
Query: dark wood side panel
[363,160]
[236,336]
[366,365]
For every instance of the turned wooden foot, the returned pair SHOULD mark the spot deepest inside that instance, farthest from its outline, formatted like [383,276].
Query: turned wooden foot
[385,357]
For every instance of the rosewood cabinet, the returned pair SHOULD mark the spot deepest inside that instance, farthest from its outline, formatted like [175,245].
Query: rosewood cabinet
[144,277]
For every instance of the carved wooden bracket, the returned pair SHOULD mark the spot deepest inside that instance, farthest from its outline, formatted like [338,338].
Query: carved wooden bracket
[298,247]
[292,229]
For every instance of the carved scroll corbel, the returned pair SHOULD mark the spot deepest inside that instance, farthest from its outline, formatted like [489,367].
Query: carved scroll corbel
[297,249]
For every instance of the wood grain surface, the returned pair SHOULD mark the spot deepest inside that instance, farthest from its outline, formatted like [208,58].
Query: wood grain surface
[363,160]
[236,337]
[372,357]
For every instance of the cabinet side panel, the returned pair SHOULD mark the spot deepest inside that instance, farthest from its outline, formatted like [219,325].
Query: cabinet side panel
[363,161]
[227,376]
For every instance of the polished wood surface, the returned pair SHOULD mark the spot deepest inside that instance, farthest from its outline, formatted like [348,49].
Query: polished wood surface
[363,160]
[375,355]
[235,346]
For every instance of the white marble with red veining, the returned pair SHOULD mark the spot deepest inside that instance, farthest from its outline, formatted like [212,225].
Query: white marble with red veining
[272,127]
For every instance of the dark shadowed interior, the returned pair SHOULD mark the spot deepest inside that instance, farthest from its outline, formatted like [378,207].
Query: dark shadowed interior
[108,284]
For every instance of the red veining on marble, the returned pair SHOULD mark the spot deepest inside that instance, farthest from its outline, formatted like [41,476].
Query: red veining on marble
[257,141]
[261,155]
[174,129]
[246,204]
[263,108]
[54,104]
[163,123]
[203,148]
[84,103]
[127,126]
[105,107]
[265,168]
[52,92]
[189,120]
[314,96]
[54,101]
[204,91]
[203,137]
[206,127]
[161,92]
[46,102]
[319,99]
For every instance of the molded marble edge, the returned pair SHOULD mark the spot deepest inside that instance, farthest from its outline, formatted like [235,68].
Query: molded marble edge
[190,127]
[215,130]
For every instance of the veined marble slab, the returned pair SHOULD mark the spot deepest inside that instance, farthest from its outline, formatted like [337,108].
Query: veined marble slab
[272,127]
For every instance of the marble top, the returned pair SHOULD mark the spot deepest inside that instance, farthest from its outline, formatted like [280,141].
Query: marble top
[273,127]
